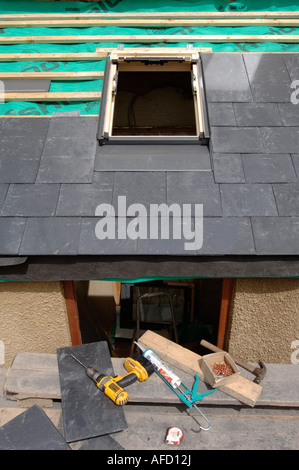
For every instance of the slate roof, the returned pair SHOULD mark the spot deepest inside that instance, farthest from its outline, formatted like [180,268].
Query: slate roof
[53,174]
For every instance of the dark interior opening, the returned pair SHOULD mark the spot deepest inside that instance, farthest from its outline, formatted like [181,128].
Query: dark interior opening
[154,103]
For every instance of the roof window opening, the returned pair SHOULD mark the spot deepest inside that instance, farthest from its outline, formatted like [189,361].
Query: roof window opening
[149,94]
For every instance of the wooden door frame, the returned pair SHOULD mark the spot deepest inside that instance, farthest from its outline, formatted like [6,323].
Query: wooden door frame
[72,312]
[226,297]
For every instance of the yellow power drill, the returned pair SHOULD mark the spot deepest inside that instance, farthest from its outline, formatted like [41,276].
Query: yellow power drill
[138,368]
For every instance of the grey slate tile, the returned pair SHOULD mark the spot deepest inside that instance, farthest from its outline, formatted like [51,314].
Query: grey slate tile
[194,188]
[295,159]
[268,168]
[93,228]
[276,235]
[257,114]
[22,137]
[31,200]
[35,128]
[236,140]
[69,151]
[269,78]
[289,113]
[31,430]
[11,233]
[18,169]
[152,158]
[51,236]
[139,188]
[23,85]
[292,63]
[225,78]
[228,168]
[221,114]
[280,140]
[3,191]
[287,198]
[227,236]
[168,236]
[83,199]
[248,200]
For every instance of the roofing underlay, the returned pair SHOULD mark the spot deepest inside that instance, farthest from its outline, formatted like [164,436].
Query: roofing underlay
[53,175]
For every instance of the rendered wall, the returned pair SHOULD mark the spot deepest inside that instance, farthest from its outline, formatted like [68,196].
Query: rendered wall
[33,319]
[264,320]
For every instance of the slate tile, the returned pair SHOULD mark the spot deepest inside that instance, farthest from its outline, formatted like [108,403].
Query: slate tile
[31,200]
[289,113]
[227,236]
[18,169]
[292,63]
[3,192]
[152,158]
[94,228]
[221,114]
[83,199]
[11,233]
[287,198]
[280,140]
[248,200]
[139,188]
[236,140]
[22,137]
[194,188]
[276,235]
[31,430]
[69,151]
[228,168]
[169,236]
[51,236]
[295,159]
[257,114]
[36,128]
[269,78]
[225,78]
[268,168]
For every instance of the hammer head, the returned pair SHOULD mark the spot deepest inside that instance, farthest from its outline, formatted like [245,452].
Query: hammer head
[260,372]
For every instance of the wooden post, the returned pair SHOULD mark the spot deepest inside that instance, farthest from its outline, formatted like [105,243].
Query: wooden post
[72,312]
[227,289]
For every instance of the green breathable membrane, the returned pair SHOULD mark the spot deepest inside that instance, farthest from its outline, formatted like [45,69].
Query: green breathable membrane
[85,108]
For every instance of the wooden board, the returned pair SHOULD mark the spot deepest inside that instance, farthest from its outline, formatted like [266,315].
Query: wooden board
[71,76]
[242,389]
[153,14]
[56,56]
[150,23]
[59,96]
[155,38]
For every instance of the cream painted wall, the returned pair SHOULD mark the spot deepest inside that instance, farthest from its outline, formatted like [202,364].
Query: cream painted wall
[264,320]
[33,318]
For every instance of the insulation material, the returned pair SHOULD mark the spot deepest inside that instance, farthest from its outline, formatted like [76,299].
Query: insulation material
[26,6]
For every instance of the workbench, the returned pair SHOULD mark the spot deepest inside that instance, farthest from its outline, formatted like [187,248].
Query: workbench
[273,424]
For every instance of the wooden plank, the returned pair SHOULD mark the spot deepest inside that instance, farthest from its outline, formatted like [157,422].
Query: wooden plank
[56,57]
[149,23]
[154,14]
[71,76]
[242,389]
[70,96]
[155,38]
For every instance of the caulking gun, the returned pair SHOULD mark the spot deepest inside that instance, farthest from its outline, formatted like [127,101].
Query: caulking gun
[189,397]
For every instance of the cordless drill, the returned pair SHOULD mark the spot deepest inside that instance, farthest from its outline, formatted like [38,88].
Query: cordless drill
[138,368]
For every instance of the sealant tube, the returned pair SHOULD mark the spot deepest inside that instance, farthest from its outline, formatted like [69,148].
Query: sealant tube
[163,370]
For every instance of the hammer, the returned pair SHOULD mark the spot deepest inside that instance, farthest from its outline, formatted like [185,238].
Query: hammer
[259,372]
